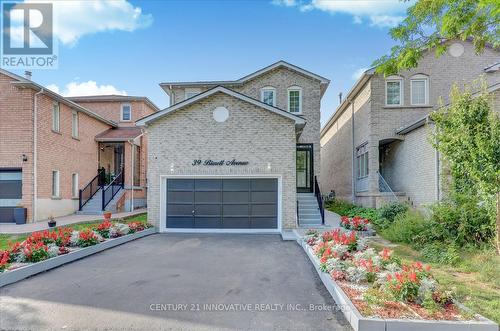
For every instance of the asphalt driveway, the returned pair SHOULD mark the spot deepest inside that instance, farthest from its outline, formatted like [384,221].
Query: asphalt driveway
[178,282]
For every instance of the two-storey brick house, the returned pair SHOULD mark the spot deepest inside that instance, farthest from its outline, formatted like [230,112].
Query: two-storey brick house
[232,155]
[51,149]
[376,147]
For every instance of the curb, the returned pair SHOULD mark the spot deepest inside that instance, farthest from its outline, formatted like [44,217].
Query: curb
[16,275]
[360,323]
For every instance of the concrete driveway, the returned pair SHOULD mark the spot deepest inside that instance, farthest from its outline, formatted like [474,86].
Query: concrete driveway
[178,282]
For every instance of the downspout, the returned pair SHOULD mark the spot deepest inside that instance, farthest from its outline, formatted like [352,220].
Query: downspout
[35,154]
[353,161]
[437,177]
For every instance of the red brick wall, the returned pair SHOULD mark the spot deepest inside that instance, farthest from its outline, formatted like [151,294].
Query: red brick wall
[112,110]
[60,151]
[16,134]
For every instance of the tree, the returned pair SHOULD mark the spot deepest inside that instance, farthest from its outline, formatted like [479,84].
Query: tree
[467,134]
[429,22]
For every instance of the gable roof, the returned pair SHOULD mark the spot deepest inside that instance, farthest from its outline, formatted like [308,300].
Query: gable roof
[114,97]
[299,121]
[26,83]
[324,82]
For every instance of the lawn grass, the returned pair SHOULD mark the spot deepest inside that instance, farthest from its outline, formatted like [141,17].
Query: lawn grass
[475,279]
[6,239]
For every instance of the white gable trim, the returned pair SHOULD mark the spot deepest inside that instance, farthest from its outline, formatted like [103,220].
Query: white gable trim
[151,118]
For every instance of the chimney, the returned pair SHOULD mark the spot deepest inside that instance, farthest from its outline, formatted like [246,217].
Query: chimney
[340,97]
[27,75]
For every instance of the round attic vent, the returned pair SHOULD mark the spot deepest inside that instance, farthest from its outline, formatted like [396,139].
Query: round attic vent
[456,49]
[220,114]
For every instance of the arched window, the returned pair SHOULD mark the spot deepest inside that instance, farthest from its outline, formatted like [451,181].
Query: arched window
[419,90]
[295,99]
[268,95]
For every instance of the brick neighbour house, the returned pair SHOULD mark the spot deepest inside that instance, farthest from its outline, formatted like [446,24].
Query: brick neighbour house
[373,152]
[75,156]
[269,121]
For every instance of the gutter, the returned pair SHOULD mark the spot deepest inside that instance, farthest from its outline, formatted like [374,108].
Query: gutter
[35,153]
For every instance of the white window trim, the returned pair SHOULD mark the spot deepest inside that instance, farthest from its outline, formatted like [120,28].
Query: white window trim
[75,124]
[57,193]
[121,112]
[401,89]
[74,186]
[266,89]
[56,117]
[416,78]
[290,89]
[192,91]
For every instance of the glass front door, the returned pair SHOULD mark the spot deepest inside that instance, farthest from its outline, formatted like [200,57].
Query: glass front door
[304,168]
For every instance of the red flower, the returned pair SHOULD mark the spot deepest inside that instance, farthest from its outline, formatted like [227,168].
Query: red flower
[386,254]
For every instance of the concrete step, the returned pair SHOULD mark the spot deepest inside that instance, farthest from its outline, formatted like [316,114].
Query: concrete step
[309,212]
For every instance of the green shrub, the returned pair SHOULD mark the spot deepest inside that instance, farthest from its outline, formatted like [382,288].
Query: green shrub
[340,207]
[406,227]
[388,213]
[442,253]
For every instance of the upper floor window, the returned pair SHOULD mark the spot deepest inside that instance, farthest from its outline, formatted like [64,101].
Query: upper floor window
[56,117]
[126,113]
[268,95]
[419,86]
[295,100]
[74,124]
[394,91]
[191,92]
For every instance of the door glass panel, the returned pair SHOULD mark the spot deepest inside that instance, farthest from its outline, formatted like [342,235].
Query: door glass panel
[303,167]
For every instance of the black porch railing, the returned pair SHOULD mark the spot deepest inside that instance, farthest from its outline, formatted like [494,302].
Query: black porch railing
[109,192]
[319,198]
[86,193]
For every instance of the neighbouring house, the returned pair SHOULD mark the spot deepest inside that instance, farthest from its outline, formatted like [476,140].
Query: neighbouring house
[375,148]
[56,154]
[237,156]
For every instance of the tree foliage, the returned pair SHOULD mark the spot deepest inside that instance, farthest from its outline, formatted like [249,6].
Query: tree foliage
[468,136]
[429,22]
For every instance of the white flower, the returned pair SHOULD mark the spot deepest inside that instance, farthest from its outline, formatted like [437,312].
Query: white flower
[356,274]
[73,240]
[20,257]
[53,250]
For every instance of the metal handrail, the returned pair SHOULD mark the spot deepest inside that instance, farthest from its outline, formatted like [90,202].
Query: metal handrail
[86,193]
[109,192]
[383,186]
[319,198]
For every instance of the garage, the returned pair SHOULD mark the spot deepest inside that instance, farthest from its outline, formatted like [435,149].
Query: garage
[10,193]
[222,203]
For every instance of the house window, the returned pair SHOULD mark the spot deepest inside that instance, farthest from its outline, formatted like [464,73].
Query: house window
[268,96]
[74,185]
[419,86]
[55,183]
[126,113]
[56,117]
[191,92]
[74,124]
[394,92]
[362,165]
[295,100]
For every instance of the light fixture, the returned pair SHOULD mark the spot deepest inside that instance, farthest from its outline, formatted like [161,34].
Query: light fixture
[25,158]
[268,165]
[172,167]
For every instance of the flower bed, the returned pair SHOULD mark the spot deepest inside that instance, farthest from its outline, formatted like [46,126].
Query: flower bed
[43,245]
[357,223]
[379,285]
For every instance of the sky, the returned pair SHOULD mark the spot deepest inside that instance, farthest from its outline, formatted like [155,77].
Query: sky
[129,47]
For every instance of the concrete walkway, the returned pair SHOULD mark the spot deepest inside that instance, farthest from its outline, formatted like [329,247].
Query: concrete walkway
[9,228]
[332,221]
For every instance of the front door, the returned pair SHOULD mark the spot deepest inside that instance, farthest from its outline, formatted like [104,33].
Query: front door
[304,168]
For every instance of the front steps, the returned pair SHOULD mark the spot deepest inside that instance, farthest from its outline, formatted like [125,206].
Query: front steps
[309,214]
[94,205]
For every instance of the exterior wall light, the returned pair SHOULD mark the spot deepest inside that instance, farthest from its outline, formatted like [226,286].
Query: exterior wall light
[24,157]
[172,167]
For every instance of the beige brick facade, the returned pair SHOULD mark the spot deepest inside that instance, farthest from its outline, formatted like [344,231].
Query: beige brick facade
[408,161]
[251,133]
